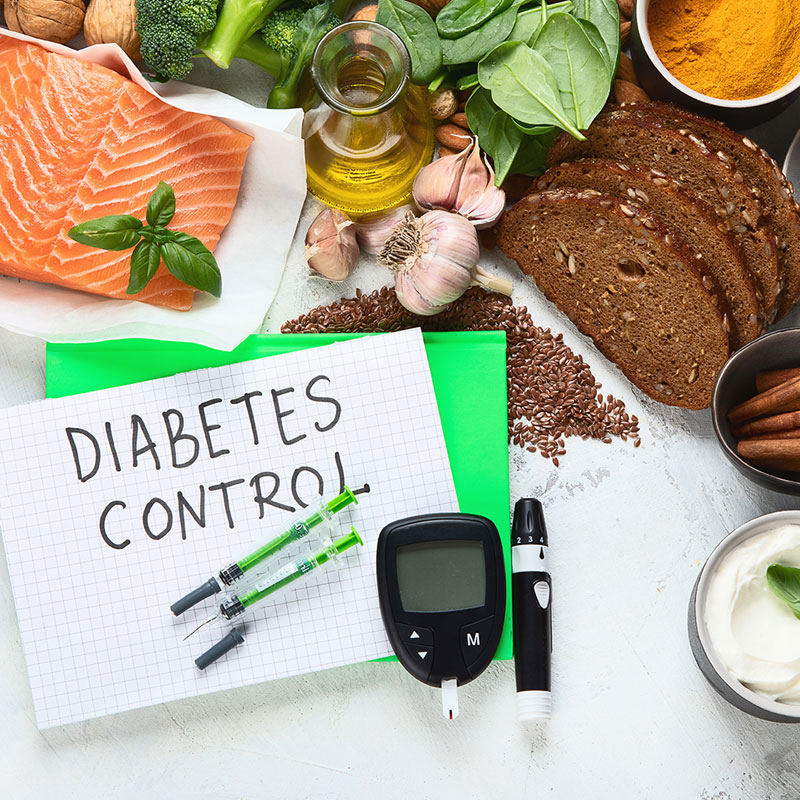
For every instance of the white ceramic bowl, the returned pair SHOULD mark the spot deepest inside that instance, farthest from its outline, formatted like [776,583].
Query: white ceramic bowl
[661,84]
[715,672]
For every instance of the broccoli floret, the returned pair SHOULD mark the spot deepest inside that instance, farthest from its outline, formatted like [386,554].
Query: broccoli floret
[239,19]
[278,30]
[294,34]
[170,32]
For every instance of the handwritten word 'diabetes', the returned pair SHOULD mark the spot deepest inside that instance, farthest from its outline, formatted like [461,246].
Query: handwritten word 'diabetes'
[175,440]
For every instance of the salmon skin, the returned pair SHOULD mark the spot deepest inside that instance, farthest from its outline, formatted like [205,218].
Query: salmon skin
[79,141]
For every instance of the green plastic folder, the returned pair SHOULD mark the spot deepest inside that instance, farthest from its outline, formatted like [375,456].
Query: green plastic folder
[469,379]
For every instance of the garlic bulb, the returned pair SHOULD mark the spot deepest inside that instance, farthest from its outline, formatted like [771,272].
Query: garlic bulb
[331,247]
[373,230]
[435,260]
[462,183]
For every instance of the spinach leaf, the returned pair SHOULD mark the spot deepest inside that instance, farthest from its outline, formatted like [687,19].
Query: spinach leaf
[529,22]
[479,110]
[418,32]
[604,14]
[531,157]
[524,85]
[476,44]
[580,70]
[785,584]
[459,17]
[467,81]
[533,130]
[145,260]
[115,232]
[590,29]
[502,144]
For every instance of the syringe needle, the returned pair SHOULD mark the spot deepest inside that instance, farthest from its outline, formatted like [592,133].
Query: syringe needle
[192,633]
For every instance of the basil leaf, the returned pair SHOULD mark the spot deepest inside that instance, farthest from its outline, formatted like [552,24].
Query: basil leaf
[117,232]
[503,144]
[524,85]
[479,110]
[161,205]
[459,17]
[785,584]
[418,31]
[190,261]
[580,70]
[145,260]
[475,45]
[605,16]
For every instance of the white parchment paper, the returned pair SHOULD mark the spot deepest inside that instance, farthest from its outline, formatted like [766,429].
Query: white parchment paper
[251,253]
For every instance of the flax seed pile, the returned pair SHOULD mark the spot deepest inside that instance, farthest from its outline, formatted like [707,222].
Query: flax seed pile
[552,393]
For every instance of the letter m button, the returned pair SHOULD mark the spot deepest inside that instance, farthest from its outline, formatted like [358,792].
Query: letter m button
[473,639]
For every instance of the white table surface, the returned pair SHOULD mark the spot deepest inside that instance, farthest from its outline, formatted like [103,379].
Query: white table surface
[633,717]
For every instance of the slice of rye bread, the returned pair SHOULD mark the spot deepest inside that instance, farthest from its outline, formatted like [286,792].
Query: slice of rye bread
[760,171]
[645,305]
[686,158]
[685,214]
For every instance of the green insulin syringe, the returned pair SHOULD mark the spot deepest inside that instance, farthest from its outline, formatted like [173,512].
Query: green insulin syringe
[262,588]
[245,566]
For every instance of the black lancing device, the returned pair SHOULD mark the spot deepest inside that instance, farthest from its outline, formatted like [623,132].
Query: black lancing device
[442,591]
[532,604]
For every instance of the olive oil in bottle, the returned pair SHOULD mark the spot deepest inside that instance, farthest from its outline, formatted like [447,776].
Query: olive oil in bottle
[369,133]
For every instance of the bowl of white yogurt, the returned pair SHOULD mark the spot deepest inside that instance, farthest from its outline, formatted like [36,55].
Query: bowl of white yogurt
[745,639]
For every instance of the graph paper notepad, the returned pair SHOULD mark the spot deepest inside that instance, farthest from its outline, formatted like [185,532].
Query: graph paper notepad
[93,600]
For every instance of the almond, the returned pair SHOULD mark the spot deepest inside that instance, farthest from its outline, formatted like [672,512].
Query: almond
[626,8]
[460,119]
[453,137]
[625,34]
[625,70]
[627,92]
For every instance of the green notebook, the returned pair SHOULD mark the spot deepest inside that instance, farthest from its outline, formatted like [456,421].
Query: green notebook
[469,378]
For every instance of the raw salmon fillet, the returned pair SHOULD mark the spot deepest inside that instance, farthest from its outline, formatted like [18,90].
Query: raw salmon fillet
[77,142]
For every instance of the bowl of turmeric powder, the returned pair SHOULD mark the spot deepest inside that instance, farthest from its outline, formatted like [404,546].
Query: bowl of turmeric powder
[734,60]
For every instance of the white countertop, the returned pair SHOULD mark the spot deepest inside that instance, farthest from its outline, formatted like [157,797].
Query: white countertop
[633,716]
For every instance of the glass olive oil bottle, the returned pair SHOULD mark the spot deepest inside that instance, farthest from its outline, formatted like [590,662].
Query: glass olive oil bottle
[368,132]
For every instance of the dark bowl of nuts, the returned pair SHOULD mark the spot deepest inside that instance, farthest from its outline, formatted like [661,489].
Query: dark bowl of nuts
[756,410]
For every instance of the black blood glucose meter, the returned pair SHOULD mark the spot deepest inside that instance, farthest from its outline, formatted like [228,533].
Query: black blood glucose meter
[442,591]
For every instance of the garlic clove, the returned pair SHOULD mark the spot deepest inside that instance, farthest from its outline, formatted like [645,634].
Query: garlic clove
[479,200]
[331,246]
[436,185]
[373,230]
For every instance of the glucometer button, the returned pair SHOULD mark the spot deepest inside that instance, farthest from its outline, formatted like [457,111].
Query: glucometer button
[422,637]
[422,658]
[474,639]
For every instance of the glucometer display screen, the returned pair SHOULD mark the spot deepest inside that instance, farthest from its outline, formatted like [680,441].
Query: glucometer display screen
[441,576]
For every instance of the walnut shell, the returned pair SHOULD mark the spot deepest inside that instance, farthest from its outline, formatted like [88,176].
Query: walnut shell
[113,21]
[54,20]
